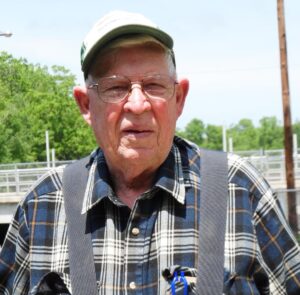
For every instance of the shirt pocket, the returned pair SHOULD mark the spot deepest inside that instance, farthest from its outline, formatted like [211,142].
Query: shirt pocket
[51,284]
[183,280]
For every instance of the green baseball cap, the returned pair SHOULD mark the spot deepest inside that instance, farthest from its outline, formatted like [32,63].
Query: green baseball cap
[116,24]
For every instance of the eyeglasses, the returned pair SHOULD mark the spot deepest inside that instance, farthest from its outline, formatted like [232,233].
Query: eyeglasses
[116,88]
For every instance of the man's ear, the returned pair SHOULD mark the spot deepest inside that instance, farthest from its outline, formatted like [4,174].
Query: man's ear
[181,94]
[83,102]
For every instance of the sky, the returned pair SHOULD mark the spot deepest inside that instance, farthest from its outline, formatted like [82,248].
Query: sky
[229,50]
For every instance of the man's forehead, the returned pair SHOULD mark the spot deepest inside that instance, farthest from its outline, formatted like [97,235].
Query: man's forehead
[109,59]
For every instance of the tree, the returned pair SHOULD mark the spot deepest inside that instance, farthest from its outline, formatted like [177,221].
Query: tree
[245,135]
[194,131]
[34,99]
[209,136]
[213,137]
[270,133]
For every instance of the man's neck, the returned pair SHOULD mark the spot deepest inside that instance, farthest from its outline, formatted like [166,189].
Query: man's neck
[128,189]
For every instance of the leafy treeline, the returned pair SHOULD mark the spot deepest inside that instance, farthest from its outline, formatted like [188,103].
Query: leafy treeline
[34,99]
[245,136]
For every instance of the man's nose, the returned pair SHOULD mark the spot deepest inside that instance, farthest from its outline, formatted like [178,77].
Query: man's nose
[137,101]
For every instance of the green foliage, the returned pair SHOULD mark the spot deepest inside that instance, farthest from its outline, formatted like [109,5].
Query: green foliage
[245,136]
[195,131]
[270,134]
[209,136]
[34,99]
[214,137]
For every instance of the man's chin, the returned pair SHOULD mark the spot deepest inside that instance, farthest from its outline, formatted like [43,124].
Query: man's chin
[137,153]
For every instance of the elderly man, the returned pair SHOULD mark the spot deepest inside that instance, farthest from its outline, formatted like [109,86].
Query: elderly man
[142,191]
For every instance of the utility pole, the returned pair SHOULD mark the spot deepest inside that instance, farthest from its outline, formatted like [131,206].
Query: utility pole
[288,133]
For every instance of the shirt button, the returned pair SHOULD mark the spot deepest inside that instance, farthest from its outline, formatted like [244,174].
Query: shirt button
[135,231]
[132,286]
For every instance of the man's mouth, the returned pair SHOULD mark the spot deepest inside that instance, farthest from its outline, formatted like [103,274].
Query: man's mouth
[137,132]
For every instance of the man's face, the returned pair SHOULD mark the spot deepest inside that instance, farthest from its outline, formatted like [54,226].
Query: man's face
[136,131]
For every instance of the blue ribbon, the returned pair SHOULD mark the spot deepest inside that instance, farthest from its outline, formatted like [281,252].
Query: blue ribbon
[181,279]
[175,279]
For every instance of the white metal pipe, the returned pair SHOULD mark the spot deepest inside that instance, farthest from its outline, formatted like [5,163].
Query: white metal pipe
[47,149]
[224,139]
[53,157]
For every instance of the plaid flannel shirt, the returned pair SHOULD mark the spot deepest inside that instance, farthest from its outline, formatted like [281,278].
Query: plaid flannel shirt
[137,251]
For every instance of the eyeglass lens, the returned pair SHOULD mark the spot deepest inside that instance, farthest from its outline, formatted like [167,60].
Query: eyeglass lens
[116,88]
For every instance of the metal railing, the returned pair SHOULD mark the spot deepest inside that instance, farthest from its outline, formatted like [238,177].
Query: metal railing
[273,168]
[283,195]
[33,165]
[18,178]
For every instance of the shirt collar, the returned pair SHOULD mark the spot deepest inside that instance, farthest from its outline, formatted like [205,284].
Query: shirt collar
[169,177]
[98,186]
